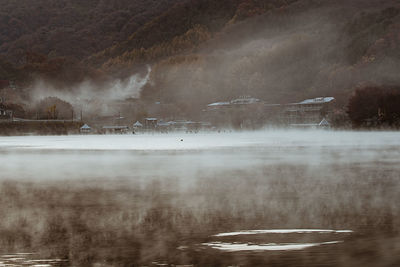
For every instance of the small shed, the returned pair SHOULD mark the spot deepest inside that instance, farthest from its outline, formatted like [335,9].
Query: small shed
[324,123]
[150,123]
[137,125]
[85,129]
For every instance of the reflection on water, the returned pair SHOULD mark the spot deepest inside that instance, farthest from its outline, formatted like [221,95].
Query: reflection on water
[29,259]
[283,231]
[232,247]
[97,204]
[278,234]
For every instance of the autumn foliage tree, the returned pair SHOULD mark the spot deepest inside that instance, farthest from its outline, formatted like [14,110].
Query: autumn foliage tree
[186,42]
[54,108]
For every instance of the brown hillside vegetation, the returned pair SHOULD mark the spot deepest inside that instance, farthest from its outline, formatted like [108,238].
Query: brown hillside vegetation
[181,19]
[71,28]
[202,51]
[305,49]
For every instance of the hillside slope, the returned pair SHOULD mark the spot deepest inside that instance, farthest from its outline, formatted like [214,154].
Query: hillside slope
[305,49]
[70,28]
[202,51]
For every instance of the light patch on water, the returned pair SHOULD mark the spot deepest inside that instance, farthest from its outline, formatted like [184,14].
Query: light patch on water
[235,247]
[282,231]
[15,259]
[21,259]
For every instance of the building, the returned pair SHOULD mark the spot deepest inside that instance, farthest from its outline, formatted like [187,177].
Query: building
[115,129]
[323,124]
[244,101]
[5,114]
[185,125]
[164,127]
[85,129]
[150,123]
[243,112]
[307,111]
[137,125]
[250,113]
[218,105]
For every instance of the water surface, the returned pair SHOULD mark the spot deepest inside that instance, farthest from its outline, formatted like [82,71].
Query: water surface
[278,198]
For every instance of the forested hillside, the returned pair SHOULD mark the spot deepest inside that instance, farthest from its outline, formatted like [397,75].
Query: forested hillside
[184,26]
[300,50]
[71,28]
[203,50]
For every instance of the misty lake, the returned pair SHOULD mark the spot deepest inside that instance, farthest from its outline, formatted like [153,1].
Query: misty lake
[273,197]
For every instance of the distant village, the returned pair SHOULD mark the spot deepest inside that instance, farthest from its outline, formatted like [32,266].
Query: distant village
[243,113]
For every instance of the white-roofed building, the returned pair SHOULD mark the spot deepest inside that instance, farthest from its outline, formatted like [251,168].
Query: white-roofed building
[245,101]
[137,125]
[85,129]
[324,123]
[150,123]
[317,100]
[250,112]
[309,111]
[218,105]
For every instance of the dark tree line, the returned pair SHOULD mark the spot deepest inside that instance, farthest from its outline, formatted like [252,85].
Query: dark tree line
[375,106]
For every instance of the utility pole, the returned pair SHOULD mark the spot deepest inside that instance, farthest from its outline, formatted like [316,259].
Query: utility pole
[72,111]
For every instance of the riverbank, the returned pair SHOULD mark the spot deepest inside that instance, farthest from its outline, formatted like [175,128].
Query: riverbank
[18,128]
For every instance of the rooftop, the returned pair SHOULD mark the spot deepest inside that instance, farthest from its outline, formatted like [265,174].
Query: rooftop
[317,100]
[137,124]
[85,127]
[115,127]
[218,104]
[245,101]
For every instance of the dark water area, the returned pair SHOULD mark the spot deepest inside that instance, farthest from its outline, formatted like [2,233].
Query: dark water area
[316,201]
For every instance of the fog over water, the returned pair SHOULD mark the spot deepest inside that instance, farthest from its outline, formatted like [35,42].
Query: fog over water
[271,197]
[58,157]
[203,141]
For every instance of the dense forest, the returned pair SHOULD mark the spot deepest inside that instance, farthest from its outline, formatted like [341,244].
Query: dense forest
[202,51]
[71,28]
